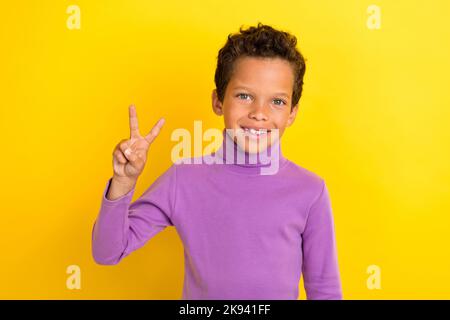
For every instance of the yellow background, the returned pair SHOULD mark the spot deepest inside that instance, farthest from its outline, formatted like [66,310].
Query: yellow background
[373,122]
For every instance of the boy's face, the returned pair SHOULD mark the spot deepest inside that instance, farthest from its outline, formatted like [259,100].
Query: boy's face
[258,96]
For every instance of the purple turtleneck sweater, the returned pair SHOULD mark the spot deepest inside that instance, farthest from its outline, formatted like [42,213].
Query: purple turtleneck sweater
[246,234]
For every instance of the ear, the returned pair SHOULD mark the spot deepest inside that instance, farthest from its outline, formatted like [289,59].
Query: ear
[216,104]
[292,116]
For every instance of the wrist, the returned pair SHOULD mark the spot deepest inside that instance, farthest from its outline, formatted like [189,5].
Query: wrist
[119,187]
[124,181]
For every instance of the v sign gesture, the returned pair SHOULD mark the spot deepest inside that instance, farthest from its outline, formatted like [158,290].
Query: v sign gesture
[130,155]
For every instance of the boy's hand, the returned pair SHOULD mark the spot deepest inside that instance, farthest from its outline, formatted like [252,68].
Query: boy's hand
[130,156]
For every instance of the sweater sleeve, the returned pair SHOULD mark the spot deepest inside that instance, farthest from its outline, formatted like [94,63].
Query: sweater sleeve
[320,265]
[121,227]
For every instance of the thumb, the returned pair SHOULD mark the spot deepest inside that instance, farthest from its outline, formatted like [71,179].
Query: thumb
[131,156]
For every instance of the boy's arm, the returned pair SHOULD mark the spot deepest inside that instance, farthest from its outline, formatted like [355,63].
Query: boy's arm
[122,227]
[320,265]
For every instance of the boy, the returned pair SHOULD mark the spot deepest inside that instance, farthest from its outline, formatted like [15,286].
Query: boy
[246,235]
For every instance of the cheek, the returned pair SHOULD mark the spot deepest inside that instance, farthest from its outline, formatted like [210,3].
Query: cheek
[289,114]
[233,112]
[281,120]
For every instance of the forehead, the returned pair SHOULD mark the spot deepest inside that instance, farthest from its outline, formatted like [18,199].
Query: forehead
[262,74]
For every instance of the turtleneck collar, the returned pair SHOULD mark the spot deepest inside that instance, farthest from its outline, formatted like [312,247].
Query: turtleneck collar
[232,157]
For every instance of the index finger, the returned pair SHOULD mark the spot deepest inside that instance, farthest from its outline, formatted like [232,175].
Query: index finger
[134,126]
[155,130]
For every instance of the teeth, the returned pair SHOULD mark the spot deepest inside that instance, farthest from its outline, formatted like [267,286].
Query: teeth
[256,132]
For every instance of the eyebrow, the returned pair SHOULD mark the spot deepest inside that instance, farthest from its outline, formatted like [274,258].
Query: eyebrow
[277,94]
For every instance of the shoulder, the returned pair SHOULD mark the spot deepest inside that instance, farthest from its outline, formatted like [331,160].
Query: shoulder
[306,179]
[190,166]
[302,173]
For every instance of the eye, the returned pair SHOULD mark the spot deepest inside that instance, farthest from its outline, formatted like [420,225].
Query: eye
[242,94]
[284,103]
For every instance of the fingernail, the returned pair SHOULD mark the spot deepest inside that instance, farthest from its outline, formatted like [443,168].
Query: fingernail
[128,152]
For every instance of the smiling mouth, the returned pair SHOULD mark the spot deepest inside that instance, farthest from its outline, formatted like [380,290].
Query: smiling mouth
[255,132]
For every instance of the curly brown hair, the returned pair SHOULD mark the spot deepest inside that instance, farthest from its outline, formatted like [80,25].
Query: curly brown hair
[260,41]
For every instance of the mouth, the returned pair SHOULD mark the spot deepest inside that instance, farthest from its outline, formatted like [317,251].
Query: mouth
[255,132]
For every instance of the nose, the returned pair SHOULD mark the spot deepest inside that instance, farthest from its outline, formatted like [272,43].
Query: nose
[258,112]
